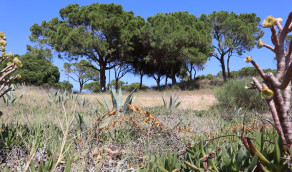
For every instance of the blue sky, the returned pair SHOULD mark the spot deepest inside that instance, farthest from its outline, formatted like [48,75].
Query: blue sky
[17,16]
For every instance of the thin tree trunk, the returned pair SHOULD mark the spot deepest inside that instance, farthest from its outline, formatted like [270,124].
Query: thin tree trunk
[166,78]
[191,73]
[223,69]
[102,77]
[228,69]
[80,85]
[117,84]
[141,79]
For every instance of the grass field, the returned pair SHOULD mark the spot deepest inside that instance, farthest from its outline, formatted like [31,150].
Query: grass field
[78,132]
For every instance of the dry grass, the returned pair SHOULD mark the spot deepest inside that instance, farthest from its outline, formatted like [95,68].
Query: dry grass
[194,100]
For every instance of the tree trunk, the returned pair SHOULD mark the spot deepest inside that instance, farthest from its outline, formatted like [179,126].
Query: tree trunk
[173,79]
[228,69]
[223,69]
[166,78]
[117,84]
[158,80]
[141,79]
[191,72]
[102,77]
[81,86]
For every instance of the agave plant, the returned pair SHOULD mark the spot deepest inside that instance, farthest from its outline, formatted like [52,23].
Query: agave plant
[120,105]
[173,102]
[9,98]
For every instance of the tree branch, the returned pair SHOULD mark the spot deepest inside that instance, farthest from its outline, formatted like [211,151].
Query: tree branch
[273,109]
[269,47]
[279,25]
[91,66]
[117,64]
[289,51]
[274,37]
[288,22]
[6,91]
[260,71]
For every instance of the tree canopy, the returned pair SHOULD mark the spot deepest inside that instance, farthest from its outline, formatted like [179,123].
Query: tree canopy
[37,70]
[233,34]
[81,73]
[177,40]
[102,33]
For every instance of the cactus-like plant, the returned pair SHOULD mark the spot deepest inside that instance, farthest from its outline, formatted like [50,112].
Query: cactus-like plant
[120,105]
[277,89]
[5,74]
[9,98]
[173,102]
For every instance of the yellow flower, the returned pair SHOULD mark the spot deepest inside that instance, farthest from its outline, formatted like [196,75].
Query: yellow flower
[248,59]
[267,93]
[18,76]
[3,49]
[260,44]
[10,55]
[4,54]
[1,35]
[3,43]
[269,22]
[17,62]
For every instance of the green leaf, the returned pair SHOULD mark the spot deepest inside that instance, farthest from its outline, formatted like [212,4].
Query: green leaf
[106,102]
[226,158]
[277,152]
[253,163]
[162,169]
[68,166]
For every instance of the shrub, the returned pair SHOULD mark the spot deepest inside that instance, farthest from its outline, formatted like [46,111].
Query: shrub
[65,85]
[232,95]
[133,86]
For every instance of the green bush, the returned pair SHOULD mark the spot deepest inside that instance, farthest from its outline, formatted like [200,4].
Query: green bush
[133,86]
[233,94]
[65,85]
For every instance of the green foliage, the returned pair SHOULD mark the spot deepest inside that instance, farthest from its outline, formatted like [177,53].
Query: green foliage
[65,85]
[232,94]
[233,34]
[9,98]
[92,86]
[112,84]
[177,40]
[161,163]
[173,102]
[118,102]
[82,71]
[133,86]
[37,70]
[102,33]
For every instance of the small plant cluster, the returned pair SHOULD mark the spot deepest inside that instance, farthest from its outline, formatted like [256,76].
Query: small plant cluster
[5,74]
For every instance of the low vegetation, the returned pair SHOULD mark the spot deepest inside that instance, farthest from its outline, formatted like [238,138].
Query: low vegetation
[49,129]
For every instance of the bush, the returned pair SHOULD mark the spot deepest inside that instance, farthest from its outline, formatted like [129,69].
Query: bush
[232,94]
[65,85]
[133,86]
